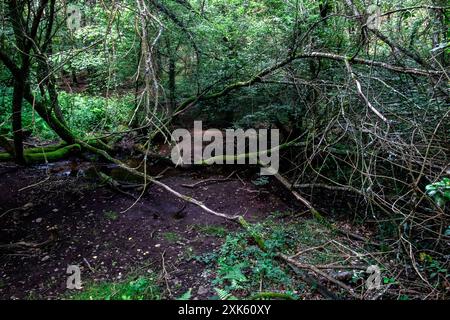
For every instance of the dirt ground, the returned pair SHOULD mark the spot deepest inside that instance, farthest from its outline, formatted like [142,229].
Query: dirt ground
[58,216]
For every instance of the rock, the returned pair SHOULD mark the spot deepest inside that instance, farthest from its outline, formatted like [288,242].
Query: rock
[38,220]
[28,205]
[202,290]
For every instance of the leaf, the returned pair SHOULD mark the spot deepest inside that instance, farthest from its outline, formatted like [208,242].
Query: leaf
[447,231]
[261,181]
[235,273]
[186,296]
[224,295]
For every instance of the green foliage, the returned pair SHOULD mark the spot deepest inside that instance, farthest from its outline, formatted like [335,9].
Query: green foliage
[213,230]
[31,122]
[171,236]
[186,296]
[88,114]
[387,280]
[113,52]
[241,264]
[224,294]
[141,288]
[437,271]
[439,191]
[111,215]
[261,181]
[85,114]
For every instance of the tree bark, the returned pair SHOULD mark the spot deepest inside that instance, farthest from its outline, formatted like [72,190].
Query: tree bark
[17,120]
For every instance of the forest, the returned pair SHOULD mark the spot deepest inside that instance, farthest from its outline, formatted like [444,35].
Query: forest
[224,150]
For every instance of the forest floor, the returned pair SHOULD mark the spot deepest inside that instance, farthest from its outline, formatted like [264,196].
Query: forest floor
[111,235]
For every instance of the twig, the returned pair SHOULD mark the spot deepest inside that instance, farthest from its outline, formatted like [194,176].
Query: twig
[319,272]
[165,274]
[309,249]
[89,265]
[362,95]
[288,186]
[209,180]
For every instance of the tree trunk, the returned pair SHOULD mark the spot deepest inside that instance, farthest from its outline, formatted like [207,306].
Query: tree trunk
[19,87]
[172,73]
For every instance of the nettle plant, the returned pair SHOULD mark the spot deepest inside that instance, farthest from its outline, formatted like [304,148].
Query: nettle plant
[439,191]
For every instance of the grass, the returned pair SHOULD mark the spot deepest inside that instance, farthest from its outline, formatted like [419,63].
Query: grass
[171,236]
[111,215]
[212,230]
[140,288]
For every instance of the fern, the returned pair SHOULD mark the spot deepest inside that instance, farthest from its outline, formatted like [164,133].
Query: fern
[186,296]
[224,295]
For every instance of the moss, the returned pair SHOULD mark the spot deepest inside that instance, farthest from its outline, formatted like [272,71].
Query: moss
[5,156]
[49,148]
[171,237]
[111,215]
[40,155]
[212,230]
[254,234]
[272,295]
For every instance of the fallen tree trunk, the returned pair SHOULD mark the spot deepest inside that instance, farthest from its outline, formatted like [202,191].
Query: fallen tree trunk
[147,178]
[235,218]
[47,148]
[35,156]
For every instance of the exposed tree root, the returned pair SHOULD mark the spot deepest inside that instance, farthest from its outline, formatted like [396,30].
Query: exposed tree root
[147,178]
[23,245]
[207,181]
[114,184]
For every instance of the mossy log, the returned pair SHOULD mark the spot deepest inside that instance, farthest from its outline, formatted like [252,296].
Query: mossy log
[46,149]
[253,233]
[42,155]
[271,295]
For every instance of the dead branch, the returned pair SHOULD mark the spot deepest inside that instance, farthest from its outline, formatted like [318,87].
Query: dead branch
[24,245]
[289,186]
[362,95]
[319,272]
[148,178]
[207,181]
[313,282]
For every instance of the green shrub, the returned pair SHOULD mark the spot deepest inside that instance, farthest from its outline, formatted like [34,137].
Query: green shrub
[439,191]
[85,115]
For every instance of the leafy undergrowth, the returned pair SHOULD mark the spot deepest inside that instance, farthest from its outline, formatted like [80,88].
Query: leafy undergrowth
[243,270]
[140,288]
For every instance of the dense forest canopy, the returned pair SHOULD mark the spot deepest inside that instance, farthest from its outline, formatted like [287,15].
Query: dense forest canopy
[358,90]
